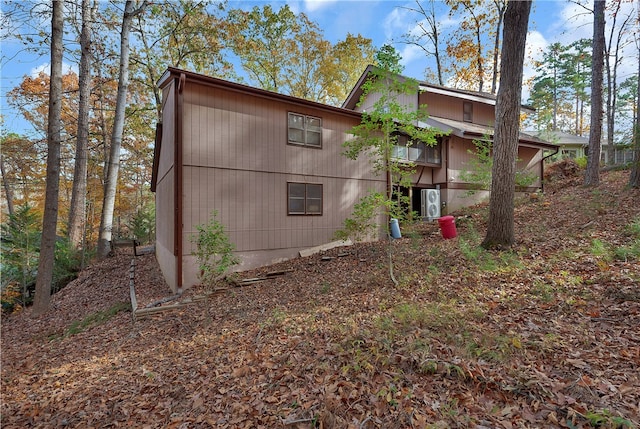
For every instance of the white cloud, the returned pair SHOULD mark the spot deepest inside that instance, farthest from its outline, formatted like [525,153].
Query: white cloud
[46,68]
[314,5]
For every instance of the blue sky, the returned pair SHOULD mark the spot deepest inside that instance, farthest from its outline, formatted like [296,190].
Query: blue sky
[383,21]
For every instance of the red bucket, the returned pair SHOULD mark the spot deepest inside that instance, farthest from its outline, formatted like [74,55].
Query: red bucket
[448,227]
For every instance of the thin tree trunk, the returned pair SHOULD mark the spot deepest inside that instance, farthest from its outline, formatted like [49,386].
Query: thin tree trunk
[500,6]
[77,210]
[592,174]
[7,188]
[500,229]
[113,162]
[49,223]
[634,176]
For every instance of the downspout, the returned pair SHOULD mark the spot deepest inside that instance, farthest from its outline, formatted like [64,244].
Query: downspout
[177,188]
[542,167]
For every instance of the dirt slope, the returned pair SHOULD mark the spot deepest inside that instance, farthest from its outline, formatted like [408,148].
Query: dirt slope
[546,336]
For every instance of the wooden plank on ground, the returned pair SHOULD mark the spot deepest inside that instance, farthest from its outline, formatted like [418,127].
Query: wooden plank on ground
[313,250]
[141,313]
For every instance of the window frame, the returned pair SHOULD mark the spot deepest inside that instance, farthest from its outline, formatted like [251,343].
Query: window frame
[406,149]
[306,199]
[467,111]
[306,130]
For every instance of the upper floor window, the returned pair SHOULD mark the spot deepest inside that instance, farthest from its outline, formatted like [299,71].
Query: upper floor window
[305,130]
[417,152]
[467,111]
[304,198]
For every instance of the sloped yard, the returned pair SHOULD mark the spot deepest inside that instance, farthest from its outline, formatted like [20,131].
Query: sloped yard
[545,336]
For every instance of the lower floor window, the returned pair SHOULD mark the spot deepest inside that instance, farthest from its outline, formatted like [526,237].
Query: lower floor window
[304,199]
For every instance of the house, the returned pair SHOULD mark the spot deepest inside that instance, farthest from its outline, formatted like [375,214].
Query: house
[466,116]
[571,145]
[271,166]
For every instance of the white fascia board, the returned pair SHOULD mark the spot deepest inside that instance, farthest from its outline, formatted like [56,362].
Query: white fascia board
[456,94]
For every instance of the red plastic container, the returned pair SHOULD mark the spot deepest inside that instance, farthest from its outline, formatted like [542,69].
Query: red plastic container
[448,227]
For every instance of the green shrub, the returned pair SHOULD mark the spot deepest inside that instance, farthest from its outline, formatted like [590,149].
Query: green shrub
[214,250]
[582,162]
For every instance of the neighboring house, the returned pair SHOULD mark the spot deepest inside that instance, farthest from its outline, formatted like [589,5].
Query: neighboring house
[272,167]
[571,146]
[621,154]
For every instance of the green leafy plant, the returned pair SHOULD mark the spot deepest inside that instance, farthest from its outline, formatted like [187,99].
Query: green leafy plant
[67,264]
[481,165]
[20,248]
[582,162]
[214,250]
[604,418]
[361,224]
[387,124]
[143,224]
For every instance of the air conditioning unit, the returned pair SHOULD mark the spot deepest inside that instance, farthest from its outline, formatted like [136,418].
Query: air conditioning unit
[430,203]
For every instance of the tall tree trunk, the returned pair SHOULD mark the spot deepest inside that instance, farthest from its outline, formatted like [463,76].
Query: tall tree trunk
[500,229]
[48,242]
[77,209]
[634,176]
[592,174]
[7,188]
[113,162]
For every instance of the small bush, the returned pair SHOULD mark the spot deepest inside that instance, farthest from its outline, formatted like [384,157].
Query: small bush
[214,251]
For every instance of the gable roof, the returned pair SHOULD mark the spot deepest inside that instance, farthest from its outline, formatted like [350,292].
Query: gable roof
[561,138]
[481,97]
[176,73]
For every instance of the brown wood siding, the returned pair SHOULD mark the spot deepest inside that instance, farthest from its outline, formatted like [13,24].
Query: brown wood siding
[165,200]
[237,161]
[444,106]
[529,159]
[459,157]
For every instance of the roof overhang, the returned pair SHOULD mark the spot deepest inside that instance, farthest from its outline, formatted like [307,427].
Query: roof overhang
[467,130]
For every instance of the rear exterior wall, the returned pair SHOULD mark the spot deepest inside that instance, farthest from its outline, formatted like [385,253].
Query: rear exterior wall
[237,162]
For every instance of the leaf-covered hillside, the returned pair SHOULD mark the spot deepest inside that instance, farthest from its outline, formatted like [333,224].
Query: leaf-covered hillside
[545,336]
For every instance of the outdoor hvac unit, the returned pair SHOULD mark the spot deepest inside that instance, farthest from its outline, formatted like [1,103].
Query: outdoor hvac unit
[430,199]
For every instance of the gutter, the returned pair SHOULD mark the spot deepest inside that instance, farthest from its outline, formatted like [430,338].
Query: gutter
[177,188]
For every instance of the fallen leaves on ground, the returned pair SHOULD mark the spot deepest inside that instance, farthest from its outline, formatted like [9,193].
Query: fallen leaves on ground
[545,336]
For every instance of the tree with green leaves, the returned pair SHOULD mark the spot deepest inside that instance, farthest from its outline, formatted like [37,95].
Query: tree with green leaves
[549,94]
[264,40]
[576,77]
[387,126]
[349,57]
[214,251]
[184,34]
[20,248]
